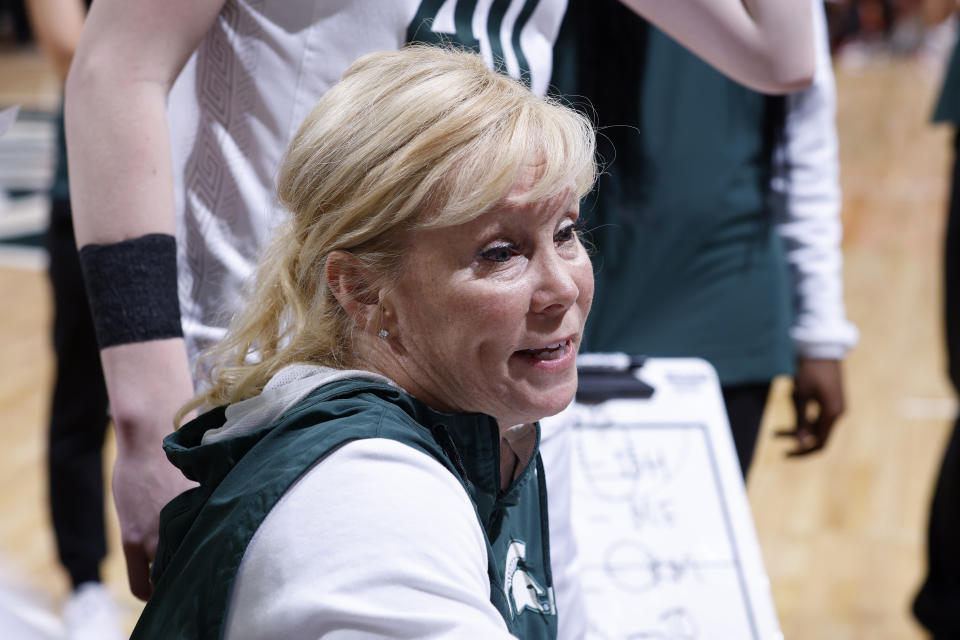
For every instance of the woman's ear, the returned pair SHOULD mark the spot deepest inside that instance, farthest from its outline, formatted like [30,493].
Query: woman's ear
[352,285]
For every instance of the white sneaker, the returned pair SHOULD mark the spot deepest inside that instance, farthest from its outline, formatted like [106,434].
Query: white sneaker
[91,614]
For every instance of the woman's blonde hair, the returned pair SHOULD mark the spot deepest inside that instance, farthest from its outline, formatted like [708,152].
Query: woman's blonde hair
[420,137]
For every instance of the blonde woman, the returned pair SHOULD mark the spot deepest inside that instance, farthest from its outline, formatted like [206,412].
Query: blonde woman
[371,466]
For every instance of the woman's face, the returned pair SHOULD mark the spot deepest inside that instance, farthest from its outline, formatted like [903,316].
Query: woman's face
[490,313]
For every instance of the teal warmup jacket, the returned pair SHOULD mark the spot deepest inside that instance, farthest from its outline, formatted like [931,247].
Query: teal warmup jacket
[205,531]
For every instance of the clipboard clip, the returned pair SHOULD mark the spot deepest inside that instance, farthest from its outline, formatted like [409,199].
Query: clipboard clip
[609,376]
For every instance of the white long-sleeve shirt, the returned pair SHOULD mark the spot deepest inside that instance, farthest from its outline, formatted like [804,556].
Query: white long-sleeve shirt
[808,203]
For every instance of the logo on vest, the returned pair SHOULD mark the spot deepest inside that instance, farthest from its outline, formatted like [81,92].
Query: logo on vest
[522,590]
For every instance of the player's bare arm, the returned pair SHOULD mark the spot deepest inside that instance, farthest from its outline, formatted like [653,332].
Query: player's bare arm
[764,44]
[122,191]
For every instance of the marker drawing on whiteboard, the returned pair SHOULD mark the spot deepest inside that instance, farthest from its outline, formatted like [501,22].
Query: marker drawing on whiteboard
[678,624]
[615,469]
[653,512]
[631,566]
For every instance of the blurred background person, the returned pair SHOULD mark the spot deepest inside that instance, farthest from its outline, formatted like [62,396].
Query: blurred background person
[860,21]
[869,31]
[13,17]
[937,605]
[78,407]
[716,220]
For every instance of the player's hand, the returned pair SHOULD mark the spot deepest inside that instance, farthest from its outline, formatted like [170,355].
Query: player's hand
[143,482]
[147,382]
[818,400]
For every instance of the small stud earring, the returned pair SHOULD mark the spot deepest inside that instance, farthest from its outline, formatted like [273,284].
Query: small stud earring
[383,334]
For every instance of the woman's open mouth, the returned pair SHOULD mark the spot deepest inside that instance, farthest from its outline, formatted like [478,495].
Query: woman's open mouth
[551,357]
[550,352]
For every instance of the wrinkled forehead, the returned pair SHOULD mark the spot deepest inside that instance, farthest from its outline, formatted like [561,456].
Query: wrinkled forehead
[539,181]
[521,160]
[534,184]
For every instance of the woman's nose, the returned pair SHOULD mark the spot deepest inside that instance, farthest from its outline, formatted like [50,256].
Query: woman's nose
[557,288]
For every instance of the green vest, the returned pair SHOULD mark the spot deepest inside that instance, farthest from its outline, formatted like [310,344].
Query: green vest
[686,254]
[205,531]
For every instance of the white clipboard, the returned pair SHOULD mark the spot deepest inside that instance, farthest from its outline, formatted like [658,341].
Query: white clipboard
[668,550]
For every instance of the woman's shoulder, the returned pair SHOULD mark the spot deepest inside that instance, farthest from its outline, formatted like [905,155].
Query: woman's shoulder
[380,474]
[391,532]
[354,409]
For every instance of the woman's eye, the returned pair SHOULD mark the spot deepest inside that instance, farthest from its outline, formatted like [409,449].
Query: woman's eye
[500,253]
[566,234]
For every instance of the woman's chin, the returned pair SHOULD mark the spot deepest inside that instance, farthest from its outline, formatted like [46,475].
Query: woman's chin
[550,403]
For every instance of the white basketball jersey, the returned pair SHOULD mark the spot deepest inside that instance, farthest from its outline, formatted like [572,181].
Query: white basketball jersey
[252,81]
